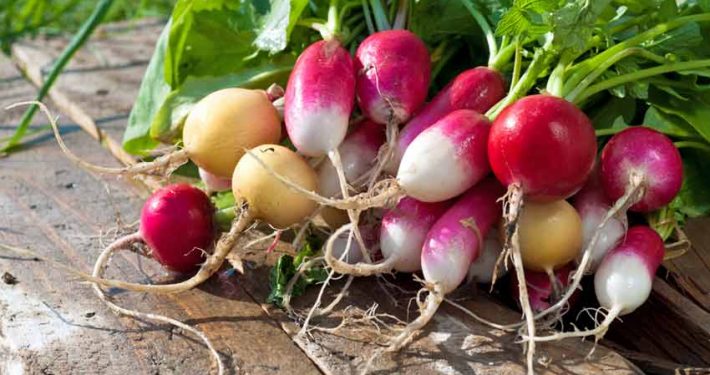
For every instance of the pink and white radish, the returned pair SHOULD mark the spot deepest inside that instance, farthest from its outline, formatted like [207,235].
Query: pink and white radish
[214,183]
[482,269]
[402,235]
[451,245]
[477,89]
[624,278]
[543,148]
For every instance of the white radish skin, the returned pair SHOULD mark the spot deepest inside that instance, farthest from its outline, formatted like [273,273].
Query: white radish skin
[353,253]
[481,270]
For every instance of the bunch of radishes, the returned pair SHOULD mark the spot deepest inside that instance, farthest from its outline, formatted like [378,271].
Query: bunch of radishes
[429,166]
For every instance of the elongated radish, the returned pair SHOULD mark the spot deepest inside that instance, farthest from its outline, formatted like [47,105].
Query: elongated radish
[624,278]
[541,147]
[450,247]
[550,235]
[394,69]
[214,183]
[593,205]
[477,89]
[402,235]
[216,132]
[320,96]
[481,270]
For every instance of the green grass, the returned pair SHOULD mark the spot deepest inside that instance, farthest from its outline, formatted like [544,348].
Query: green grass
[29,18]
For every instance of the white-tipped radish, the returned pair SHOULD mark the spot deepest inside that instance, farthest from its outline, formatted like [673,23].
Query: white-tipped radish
[483,268]
[214,183]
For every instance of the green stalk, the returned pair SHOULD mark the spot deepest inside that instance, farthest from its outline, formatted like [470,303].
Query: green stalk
[607,132]
[693,144]
[333,19]
[486,28]
[400,19]
[380,15]
[77,41]
[368,17]
[517,64]
[572,89]
[641,74]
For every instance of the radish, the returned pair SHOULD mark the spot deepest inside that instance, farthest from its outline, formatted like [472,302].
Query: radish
[320,96]
[542,147]
[394,69]
[481,270]
[214,183]
[624,278]
[477,89]
[450,247]
[402,235]
[593,205]
[216,132]
[543,290]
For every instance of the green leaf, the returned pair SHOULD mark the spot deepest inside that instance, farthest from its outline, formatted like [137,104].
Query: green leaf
[434,21]
[153,90]
[168,120]
[695,111]
[612,112]
[694,197]
[668,124]
[286,267]
[278,23]
[223,200]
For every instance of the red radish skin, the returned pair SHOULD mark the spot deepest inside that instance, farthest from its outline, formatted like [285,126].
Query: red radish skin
[541,291]
[648,153]
[394,69]
[176,223]
[452,244]
[624,279]
[447,158]
[477,89]
[544,144]
[404,229]
[357,153]
[319,98]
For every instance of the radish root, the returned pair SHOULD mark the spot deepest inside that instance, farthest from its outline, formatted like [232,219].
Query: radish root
[427,310]
[161,166]
[100,267]
[358,269]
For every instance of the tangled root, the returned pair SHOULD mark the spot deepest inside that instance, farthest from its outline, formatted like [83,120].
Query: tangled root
[100,267]
[358,269]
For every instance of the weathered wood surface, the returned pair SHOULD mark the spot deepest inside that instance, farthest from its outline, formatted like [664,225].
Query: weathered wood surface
[50,323]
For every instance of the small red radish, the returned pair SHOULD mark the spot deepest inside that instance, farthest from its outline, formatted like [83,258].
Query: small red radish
[477,89]
[543,148]
[214,183]
[643,164]
[482,269]
[357,153]
[624,279]
[542,291]
[593,205]
[176,223]
[320,96]
[394,69]
[451,245]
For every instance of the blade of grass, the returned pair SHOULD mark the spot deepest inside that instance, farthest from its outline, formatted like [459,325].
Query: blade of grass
[77,41]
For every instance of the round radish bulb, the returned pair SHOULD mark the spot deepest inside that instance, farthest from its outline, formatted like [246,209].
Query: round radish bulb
[225,123]
[176,223]
[394,69]
[213,182]
[358,153]
[481,269]
[477,89]
[447,158]
[592,205]
[545,145]
[623,280]
[649,155]
[354,253]
[320,96]
[403,231]
[541,291]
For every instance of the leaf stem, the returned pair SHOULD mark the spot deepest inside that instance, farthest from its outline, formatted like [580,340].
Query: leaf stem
[517,64]
[368,17]
[380,15]
[486,28]
[640,74]
[77,41]
[693,144]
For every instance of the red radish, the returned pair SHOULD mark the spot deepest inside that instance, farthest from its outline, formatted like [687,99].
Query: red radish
[450,247]
[482,269]
[477,89]
[593,205]
[447,158]
[214,183]
[357,153]
[176,223]
[542,292]
[542,147]
[651,159]
[319,98]
[624,279]
[394,69]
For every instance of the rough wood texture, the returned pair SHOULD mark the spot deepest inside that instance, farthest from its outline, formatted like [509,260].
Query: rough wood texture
[50,323]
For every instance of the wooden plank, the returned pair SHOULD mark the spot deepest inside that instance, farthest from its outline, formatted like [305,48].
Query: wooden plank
[50,323]
[224,308]
[691,272]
